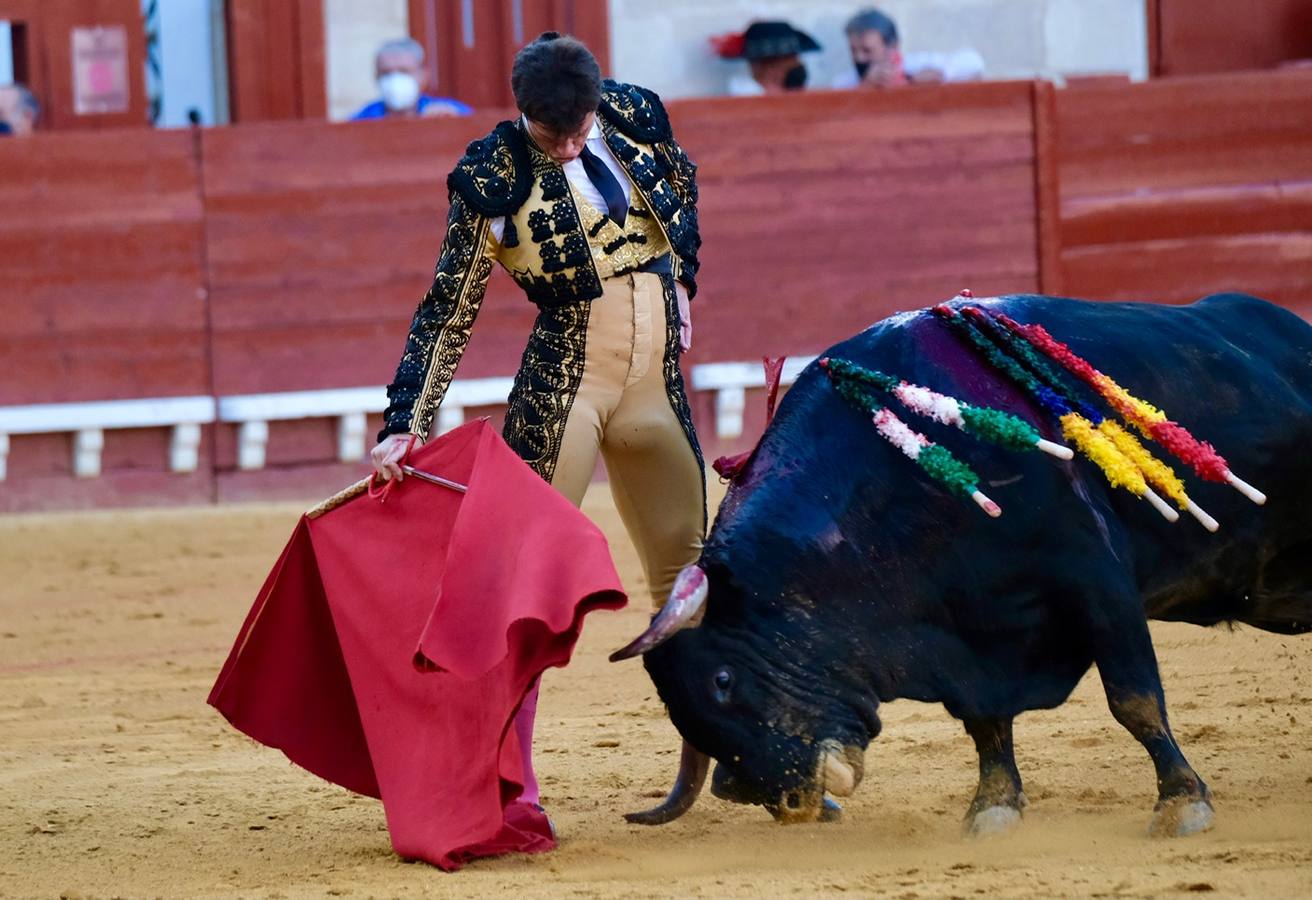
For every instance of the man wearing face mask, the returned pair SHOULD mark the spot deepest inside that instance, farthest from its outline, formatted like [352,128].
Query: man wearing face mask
[589,203]
[773,54]
[19,110]
[399,67]
[878,61]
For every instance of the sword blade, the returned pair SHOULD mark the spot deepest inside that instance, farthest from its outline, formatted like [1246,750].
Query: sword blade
[435,479]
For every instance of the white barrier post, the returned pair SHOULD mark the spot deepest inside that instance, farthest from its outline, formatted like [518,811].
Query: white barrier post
[252,440]
[351,437]
[449,417]
[87,445]
[184,447]
[730,402]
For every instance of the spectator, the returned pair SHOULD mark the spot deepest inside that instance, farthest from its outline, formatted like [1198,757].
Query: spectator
[772,51]
[399,66]
[878,61]
[19,110]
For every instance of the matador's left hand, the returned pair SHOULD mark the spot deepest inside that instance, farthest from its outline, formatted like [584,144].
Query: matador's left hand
[685,317]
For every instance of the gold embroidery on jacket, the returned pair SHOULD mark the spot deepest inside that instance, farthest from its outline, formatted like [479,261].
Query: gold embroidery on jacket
[459,286]
[616,249]
[546,384]
[675,390]
[549,255]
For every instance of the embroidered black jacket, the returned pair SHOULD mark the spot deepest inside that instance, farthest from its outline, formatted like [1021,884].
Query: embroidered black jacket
[543,246]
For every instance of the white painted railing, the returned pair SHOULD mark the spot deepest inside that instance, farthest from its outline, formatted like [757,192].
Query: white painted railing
[87,423]
[252,413]
[730,382]
[350,406]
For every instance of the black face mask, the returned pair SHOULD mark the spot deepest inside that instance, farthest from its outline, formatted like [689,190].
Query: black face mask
[861,69]
[795,79]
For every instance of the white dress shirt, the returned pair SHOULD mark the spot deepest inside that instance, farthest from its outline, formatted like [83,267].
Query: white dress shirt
[960,65]
[578,178]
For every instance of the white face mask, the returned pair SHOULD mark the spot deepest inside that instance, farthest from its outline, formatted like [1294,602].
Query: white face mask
[400,91]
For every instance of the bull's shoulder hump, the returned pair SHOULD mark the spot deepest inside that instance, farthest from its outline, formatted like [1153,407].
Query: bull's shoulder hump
[1237,307]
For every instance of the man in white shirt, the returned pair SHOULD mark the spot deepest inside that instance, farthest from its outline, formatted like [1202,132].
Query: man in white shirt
[878,60]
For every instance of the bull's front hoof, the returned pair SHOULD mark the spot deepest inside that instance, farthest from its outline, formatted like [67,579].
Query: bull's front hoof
[1181,817]
[831,812]
[992,821]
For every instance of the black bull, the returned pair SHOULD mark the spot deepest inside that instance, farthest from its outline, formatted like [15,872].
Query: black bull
[839,577]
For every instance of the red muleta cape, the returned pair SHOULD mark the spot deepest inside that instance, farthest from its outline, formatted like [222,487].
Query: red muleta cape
[392,644]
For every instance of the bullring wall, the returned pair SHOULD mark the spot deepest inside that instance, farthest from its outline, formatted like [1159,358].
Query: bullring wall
[267,259]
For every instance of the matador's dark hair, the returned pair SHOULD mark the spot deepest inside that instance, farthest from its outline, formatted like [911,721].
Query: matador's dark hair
[556,81]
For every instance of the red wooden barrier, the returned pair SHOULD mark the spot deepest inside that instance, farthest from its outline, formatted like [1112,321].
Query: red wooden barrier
[101,298]
[101,243]
[823,214]
[322,238]
[1178,188]
[820,213]
[1196,37]
[818,219]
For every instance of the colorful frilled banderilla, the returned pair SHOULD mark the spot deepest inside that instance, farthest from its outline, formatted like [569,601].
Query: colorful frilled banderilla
[937,461]
[1124,460]
[992,425]
[1150,421]
[1078,420]
[856,384]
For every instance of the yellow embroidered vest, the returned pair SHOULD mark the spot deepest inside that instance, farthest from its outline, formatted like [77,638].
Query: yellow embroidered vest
[557,237]
[616,249]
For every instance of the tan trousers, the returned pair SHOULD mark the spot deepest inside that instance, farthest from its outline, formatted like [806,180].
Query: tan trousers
[622,410]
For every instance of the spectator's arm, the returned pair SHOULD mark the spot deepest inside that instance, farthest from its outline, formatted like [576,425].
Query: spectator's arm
[965,64]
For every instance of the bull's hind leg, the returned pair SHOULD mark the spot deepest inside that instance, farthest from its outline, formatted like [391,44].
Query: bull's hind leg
[1000,797]
[1128,667]
[1184,804]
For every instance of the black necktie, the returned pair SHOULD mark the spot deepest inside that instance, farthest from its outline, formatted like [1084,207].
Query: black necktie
[605,181]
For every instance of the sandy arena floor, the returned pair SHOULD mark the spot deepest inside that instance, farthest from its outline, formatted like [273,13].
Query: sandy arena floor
[117,780]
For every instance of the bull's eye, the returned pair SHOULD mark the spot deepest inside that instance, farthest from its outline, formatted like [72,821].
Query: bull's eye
[723,684]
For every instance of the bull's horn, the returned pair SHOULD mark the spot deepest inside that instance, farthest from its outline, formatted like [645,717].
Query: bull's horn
[693,766]
[685,602]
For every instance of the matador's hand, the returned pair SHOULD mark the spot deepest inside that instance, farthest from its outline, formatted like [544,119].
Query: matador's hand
[387,456]
[685,317]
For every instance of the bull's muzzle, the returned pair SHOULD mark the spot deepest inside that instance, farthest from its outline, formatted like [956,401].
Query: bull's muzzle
[841,768]
[838,771]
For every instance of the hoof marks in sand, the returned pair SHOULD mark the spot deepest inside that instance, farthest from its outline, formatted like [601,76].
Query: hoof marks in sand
[994,820]
[1181,817]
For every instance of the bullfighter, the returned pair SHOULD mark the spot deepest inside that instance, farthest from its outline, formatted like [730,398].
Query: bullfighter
[589,203]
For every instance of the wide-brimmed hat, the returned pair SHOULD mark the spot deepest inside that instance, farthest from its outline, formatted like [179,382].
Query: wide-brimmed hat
[765,39]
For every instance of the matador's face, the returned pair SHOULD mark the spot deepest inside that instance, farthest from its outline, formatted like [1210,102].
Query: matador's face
[561,146]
